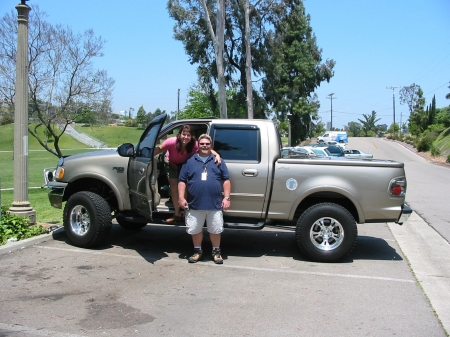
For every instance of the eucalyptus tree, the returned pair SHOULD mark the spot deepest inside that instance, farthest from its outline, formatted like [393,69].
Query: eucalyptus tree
[191,28]
[294,69]
[62,78]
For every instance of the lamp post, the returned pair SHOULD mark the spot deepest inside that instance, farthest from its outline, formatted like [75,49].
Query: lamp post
[289,116]
[21,205]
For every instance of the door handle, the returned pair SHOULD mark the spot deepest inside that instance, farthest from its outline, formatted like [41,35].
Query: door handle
[249,172]
[141,171]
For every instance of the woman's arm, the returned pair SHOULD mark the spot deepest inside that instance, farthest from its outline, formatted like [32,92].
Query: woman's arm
[158,150]
[217,159]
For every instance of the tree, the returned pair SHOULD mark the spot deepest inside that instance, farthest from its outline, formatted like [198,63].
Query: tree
[141,118]
[295,69]
[369,123]
[354,128]
[86,116]
[443,116]
[432,111]
[62,78]
[198,104]
[218,42]
[191,29]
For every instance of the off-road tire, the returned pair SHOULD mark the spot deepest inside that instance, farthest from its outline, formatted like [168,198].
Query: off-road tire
[87,219]
[326,232]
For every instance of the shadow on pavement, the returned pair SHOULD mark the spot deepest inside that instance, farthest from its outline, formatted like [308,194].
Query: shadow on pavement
[155,242]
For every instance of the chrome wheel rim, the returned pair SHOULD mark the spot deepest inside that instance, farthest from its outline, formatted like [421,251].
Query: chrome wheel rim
[80,220]
[326,234]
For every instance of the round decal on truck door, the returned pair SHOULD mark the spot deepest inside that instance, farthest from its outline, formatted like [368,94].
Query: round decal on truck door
[291,184]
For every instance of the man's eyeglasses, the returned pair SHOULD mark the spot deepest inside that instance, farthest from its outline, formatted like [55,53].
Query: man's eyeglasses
[205,143]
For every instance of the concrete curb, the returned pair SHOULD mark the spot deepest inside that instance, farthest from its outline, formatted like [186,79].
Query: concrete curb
[13,246]
[428,254]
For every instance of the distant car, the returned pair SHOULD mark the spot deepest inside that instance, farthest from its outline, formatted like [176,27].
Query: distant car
[353,153]
[333,143]
[294,152]
[335,151]
[320,152]
[310,151]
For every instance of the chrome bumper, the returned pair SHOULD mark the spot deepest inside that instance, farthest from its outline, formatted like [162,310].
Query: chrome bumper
[56,193]
[404,215]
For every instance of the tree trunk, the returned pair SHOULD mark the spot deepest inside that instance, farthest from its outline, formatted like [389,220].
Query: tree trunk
[248,61]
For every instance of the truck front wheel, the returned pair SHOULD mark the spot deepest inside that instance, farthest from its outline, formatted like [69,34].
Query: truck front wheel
[87,219]
[326,232]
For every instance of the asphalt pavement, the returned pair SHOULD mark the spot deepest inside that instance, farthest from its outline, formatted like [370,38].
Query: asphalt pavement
[139,284]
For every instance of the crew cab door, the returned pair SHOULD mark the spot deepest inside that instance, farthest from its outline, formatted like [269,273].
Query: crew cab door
[240,147]
[141,180]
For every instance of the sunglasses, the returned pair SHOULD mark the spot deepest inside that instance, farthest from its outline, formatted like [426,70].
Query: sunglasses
[205,143]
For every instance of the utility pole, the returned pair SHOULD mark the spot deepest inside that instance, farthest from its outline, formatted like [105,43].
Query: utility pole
[21,206]
[178,111]
[330,96]
[393,102]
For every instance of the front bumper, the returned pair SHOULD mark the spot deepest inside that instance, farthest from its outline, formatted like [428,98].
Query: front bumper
[56,193]
[404,215]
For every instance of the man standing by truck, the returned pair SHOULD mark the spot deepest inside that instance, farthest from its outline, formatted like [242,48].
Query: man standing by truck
[205,181]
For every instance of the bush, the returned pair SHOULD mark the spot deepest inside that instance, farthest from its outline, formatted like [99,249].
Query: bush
[435,151]
[13,226]
[424,144]
[448,159]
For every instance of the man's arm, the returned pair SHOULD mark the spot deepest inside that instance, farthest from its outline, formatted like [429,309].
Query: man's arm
[181,193]
[226,194]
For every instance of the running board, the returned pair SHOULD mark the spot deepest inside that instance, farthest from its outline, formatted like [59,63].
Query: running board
[245,225]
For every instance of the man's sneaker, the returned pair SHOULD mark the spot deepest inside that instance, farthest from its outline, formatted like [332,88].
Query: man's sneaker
[216,256]
[197,256]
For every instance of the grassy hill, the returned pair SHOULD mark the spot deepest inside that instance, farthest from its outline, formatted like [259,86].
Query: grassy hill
[113,136]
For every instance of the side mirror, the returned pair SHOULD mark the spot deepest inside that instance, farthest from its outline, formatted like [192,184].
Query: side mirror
[126,150]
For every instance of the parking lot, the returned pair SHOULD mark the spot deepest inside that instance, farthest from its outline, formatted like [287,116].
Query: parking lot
[140,284]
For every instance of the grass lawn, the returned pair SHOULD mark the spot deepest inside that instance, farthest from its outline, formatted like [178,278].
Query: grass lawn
[38,159]
[113,136]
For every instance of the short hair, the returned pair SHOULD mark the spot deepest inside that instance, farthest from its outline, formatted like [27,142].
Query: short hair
[204,135]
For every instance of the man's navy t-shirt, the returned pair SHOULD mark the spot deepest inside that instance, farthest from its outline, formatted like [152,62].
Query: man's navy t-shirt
[204,194]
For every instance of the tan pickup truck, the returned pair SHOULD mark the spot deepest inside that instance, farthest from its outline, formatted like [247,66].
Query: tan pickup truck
[324,198]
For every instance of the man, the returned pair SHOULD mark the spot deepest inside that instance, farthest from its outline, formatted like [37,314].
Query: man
[205,181]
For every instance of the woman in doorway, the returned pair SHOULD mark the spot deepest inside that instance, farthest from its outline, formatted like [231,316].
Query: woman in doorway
[178,150]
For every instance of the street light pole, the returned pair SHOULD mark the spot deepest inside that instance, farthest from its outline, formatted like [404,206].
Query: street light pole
[393,103]
[21,205]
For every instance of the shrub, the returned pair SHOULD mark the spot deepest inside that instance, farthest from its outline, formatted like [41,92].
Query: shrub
[424,144]
[13,226]
[448,159]
[435,151]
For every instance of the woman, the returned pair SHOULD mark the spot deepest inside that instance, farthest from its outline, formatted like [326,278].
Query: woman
[178,150]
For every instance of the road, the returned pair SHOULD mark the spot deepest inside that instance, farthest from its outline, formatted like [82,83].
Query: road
[428,184]
[139,284]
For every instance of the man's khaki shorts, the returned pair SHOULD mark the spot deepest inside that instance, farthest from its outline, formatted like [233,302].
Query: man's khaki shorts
[195,220]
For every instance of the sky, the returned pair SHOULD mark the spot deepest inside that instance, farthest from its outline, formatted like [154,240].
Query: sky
[376,45]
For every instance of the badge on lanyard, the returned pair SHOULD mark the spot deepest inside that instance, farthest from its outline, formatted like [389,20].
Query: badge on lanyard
[204,173]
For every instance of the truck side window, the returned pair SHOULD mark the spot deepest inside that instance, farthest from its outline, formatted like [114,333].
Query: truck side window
[237,143]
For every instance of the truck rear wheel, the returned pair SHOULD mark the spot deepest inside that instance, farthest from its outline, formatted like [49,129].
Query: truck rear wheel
[87,219]
[326,232]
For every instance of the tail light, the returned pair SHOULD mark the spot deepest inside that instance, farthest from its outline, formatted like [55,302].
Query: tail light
[397,187]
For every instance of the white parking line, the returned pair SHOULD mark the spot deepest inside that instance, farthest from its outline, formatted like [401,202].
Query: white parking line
[270,270]
[35,331]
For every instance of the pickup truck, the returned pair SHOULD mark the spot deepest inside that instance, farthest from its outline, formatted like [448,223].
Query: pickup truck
[324,198]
